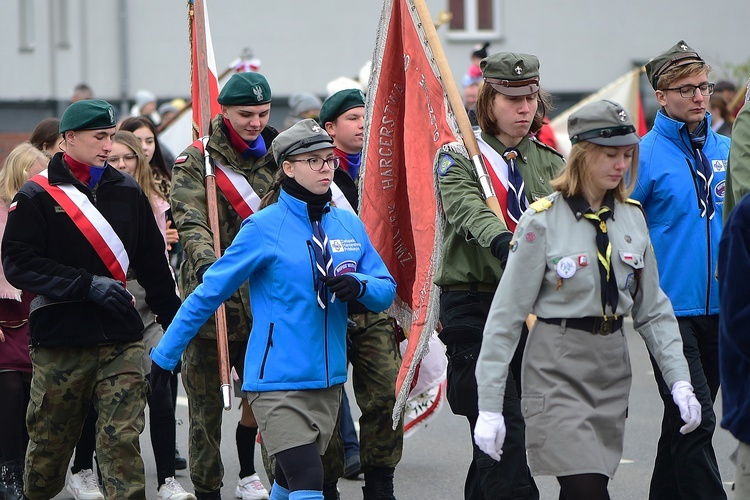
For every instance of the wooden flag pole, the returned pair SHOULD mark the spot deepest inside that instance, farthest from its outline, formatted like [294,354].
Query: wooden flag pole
[222,345]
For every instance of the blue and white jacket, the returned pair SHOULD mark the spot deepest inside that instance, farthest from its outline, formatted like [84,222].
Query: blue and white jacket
[686,244]
[294,343]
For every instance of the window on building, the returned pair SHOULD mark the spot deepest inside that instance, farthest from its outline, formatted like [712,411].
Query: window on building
[26,32]
[474,19]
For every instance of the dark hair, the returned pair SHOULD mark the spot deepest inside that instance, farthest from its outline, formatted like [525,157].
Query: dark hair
[157,161]
[486,98]
[480,51]
[46,133]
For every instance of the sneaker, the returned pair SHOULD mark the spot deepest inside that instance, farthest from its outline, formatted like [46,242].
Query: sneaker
[173,490]
[351,467]
[250,488]
[83,486]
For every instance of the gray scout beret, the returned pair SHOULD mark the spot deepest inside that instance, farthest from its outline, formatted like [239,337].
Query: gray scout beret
[304,136]
[338,103]
[245,89]
[89,114]
[679,54]
[605,123]
[511,74]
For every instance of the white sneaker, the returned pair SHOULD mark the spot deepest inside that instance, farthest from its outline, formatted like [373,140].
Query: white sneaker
[84,486]
[173,490]
[250,488]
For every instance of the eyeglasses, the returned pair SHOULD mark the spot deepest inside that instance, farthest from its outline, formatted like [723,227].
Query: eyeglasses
[114,160]
[688,91]
[316,163]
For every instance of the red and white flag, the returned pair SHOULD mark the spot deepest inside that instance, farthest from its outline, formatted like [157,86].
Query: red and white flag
[407,122]
[204,83]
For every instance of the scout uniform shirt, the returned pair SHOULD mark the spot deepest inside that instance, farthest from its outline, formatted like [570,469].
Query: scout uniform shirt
[553,272]
[471,226]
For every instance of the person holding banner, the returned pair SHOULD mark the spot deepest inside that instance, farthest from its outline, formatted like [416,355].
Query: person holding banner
[374,352]
[304,260]
[510,106]
[682,186]
[580,260]
[239,147]
[73,232]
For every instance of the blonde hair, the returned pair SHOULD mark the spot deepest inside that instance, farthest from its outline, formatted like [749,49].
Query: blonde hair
[143,173]
[577,171]
[677,73]
[16,167]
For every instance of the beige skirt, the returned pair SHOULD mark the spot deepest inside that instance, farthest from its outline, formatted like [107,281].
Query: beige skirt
[575,399]
[287,419]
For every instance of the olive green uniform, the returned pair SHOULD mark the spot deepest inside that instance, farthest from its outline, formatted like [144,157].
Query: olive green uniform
[468,276]
[200,366]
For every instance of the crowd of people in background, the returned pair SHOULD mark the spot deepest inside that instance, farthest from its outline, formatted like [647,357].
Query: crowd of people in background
[625,226]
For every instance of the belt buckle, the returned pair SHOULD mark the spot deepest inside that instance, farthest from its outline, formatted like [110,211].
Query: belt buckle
[606,327]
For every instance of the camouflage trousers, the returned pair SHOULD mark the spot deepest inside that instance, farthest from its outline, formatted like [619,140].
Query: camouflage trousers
[375,359]
[66,382]
[200,375]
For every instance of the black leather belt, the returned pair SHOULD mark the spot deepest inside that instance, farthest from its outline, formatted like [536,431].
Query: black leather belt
[593,324]
[470,287]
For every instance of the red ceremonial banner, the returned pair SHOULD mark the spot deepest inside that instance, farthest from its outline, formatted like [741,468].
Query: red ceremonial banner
[407,122]
[204,84]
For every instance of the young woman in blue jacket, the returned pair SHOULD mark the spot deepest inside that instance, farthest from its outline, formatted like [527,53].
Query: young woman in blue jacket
[304,259]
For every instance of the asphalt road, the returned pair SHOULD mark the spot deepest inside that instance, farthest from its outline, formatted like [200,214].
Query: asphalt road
[435,459]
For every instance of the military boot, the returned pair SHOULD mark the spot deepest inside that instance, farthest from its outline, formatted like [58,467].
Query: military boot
[13,479]
[331,491]
[378,484]
[214,495]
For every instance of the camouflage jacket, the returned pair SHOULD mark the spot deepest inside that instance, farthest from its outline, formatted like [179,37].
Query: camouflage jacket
[188,201]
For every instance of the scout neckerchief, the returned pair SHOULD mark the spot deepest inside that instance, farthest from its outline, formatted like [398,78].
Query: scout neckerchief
[88,174]
[252,149]
[350,163]
[498,171]
[608,280]
[517,202]
[95,228]
[704,170]
[316,204]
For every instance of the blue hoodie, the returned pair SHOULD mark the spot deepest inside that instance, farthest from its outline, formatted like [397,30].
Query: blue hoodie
[686,244]
[294,343]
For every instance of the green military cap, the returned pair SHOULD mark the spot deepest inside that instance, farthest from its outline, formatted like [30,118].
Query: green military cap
[89,114]
[679,54]
[302,137]
[605,123]
[341,101]
[245,89]
[511,74]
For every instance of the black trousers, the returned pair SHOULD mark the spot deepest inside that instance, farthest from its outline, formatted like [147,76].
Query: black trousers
[685,466]
[462,315]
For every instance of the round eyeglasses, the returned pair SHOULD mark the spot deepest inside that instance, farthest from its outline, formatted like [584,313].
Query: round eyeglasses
[316,163]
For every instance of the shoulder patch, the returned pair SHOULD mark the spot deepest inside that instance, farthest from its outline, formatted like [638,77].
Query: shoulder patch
[444,164]
[541,205]
[633,202]
[180,159]
[545,146]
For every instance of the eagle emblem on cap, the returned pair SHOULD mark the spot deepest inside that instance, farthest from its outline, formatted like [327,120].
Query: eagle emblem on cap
[623,115]
[258,91]
[518,69]
[111,112]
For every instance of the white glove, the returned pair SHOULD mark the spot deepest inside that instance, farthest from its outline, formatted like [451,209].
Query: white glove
[489,433]
[690,407]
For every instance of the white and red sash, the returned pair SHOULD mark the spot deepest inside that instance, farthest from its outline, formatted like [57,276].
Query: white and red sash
[498,171]
[237,190]
[95,228]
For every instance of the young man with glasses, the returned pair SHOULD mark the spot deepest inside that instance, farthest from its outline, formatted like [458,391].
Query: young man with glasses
[681,184]
[239,145]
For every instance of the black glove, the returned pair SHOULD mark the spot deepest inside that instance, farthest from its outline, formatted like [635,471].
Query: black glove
[345,287]
[159,377]
[500,247]
[110,293]
[201,271]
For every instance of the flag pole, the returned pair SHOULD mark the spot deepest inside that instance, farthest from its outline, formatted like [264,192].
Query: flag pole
[462,118]
[201,70]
